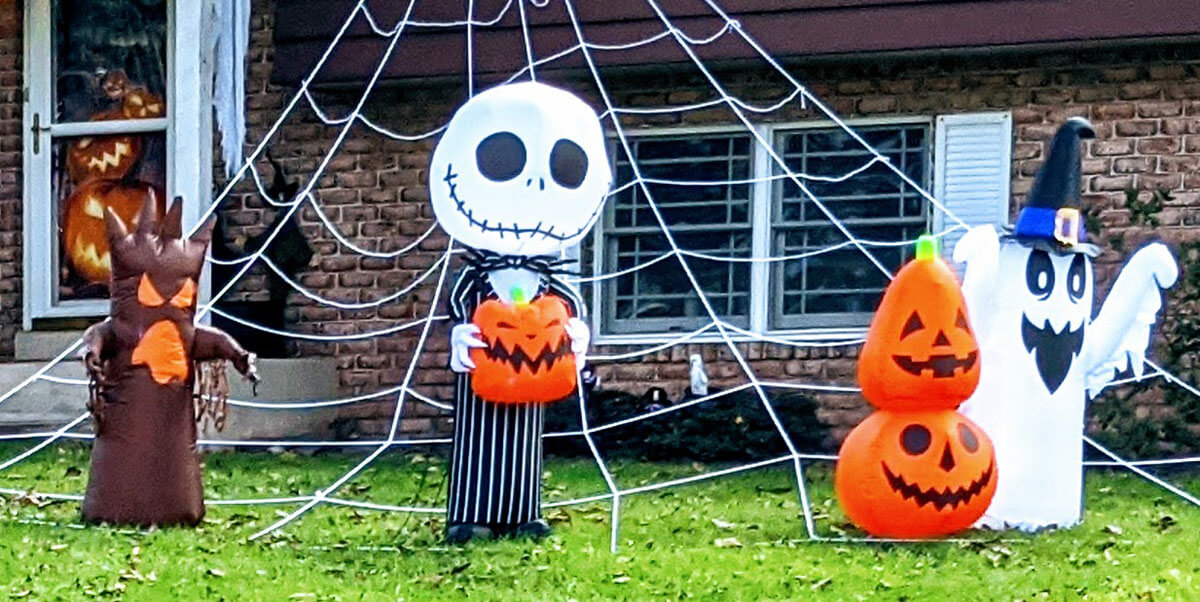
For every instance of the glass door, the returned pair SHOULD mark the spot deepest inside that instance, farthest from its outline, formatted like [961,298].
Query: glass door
[99,133]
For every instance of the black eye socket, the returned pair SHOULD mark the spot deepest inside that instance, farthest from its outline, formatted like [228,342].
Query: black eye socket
[915,439]
[1039,274]
[504,325]
[1077,277]
[961,321]
[501,156]
[968,438]
[913,324]
[568,164]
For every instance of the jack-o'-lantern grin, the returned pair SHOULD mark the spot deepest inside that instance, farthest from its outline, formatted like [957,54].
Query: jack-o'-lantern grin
[518,358]
[943,365]
[939,499]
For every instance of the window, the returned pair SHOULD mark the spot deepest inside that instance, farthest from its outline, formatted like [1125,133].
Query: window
[733,216]
[105,83]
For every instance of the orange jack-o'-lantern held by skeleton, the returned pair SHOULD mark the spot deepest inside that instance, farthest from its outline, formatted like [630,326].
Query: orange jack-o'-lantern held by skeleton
[528,357]
[916,468]
[142,366]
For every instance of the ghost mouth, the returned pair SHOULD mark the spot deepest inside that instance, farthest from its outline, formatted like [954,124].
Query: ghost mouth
[548,356]
[943,366]
[1053,352]
[517,230]
[940,499]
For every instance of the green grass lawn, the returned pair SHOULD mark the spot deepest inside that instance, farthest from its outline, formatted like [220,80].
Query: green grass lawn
[738,537]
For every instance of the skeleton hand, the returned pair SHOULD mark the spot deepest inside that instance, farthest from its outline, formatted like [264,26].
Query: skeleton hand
[463,338]
[581,338]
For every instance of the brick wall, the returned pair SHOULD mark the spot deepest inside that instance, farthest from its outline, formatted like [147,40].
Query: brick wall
[1145,103]
[11,49]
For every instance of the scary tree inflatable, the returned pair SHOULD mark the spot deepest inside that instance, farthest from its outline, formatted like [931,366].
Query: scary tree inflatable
[142,363]
[1030,293]
[916,467]
[519,175]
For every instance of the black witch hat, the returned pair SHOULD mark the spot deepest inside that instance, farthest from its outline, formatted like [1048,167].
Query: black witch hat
[1051,218]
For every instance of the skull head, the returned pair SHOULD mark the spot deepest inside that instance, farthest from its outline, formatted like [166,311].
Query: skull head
[521,170]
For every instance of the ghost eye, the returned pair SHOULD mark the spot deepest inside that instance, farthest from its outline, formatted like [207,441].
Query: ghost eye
[961,321]
[1077,277]
[568,164]
[967,436]
[915,439]
[1039,274]
[500,157]
[912,325]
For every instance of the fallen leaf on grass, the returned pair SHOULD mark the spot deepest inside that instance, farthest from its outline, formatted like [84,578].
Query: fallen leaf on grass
[621,579]
[720,524]
[822,584]
[727,542]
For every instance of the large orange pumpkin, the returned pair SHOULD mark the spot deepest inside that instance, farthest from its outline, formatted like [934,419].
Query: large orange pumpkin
[916,474]
[85,242]
[920,352]
[528,358]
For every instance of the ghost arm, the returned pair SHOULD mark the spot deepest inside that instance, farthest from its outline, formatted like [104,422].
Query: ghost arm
[213,344]
[1117,339]
[979,249]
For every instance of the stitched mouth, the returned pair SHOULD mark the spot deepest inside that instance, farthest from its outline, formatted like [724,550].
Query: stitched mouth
[943,366]
[517,358]
[1053,352]
[517,230]
[939,499]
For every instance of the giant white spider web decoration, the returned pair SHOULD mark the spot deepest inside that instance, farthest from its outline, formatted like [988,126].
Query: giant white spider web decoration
[728,334]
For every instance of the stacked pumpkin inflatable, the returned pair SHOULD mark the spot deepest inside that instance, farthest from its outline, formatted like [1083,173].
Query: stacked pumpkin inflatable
[916,468]
[101,171]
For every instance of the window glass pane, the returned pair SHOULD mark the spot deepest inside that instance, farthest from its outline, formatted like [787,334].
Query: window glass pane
[842,286]
[705,218]
[109,59]
[89,175]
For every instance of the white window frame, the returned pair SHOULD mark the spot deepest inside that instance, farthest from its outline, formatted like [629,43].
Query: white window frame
[187,127]
[760,220]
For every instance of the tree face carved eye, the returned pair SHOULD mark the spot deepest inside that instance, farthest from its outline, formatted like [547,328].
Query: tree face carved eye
[915,439]
[568,164]
[500,157]
[913,324]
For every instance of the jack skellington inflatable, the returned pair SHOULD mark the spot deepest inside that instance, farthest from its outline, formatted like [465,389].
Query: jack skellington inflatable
[520,174]
[1029,296]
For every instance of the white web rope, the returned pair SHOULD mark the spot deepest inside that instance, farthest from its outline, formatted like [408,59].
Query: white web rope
[715,331]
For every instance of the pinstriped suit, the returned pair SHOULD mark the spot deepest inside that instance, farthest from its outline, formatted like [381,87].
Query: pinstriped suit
[496,467]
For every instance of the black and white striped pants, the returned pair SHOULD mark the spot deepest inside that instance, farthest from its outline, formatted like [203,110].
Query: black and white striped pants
[496,468]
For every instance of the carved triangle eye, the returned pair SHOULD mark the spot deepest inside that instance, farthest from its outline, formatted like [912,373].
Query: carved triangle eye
[961,322]
[912,325]
[147,295]
[186,295]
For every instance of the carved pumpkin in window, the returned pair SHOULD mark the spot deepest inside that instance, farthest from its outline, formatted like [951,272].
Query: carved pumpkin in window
[528,356]
[916,473]
[920,352]
[85,241]
[140,103]
[103,157]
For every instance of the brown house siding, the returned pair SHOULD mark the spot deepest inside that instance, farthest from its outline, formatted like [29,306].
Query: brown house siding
[1145,102]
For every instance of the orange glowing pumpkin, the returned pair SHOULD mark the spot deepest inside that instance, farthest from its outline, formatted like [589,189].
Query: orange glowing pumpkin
[103,157]
[916,474]
[85,242]
[140,103]
[528,358]
[920,352]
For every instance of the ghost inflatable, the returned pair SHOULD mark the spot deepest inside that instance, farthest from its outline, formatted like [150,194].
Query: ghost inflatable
[1029,295]
[520,174]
